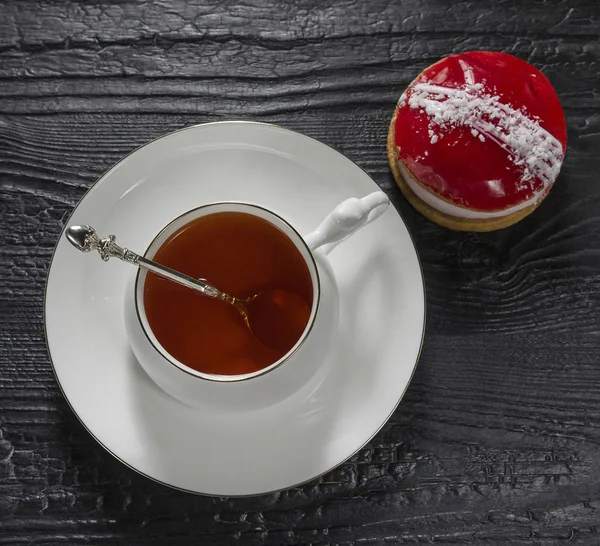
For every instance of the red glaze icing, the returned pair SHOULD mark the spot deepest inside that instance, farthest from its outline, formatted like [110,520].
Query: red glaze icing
[459,166]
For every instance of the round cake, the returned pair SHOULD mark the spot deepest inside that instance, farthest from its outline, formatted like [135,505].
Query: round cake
[477,140]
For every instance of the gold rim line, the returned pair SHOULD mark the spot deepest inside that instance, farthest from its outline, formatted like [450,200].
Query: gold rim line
[264,371]
[99,180]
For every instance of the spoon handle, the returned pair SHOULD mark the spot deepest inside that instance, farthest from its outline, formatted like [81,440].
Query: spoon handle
[85,239]
[181,278]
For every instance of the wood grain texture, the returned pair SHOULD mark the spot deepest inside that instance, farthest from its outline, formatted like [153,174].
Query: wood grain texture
[498,438]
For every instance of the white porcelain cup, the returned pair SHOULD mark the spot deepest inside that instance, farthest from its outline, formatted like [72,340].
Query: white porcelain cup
[299,364]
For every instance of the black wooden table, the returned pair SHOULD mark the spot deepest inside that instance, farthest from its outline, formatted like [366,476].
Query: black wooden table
[498,438]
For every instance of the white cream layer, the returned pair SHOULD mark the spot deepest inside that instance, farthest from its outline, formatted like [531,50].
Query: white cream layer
[445,207]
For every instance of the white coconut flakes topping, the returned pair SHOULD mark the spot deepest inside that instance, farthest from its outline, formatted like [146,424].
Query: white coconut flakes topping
[529,146]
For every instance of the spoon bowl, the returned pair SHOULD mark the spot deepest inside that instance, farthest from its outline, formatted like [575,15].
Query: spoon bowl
[276,317]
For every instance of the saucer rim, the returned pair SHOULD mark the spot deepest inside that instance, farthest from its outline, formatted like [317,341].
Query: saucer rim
[200,493]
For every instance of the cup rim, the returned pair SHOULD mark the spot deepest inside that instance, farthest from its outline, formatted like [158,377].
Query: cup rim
[157,346]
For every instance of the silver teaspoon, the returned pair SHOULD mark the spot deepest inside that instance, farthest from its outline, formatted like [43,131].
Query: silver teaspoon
[276,317]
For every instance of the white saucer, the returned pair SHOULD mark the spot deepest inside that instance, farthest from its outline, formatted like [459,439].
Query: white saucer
[217,450]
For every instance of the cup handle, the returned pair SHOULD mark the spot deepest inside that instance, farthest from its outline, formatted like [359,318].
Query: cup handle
[346,219]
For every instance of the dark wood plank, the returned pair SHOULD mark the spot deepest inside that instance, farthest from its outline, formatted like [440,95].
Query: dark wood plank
[497,439]
[192,78]
[47,24]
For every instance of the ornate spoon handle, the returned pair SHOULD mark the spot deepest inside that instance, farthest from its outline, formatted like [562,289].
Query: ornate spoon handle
[85,238]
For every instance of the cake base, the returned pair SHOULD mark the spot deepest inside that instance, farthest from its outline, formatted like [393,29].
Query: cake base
[440,218]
